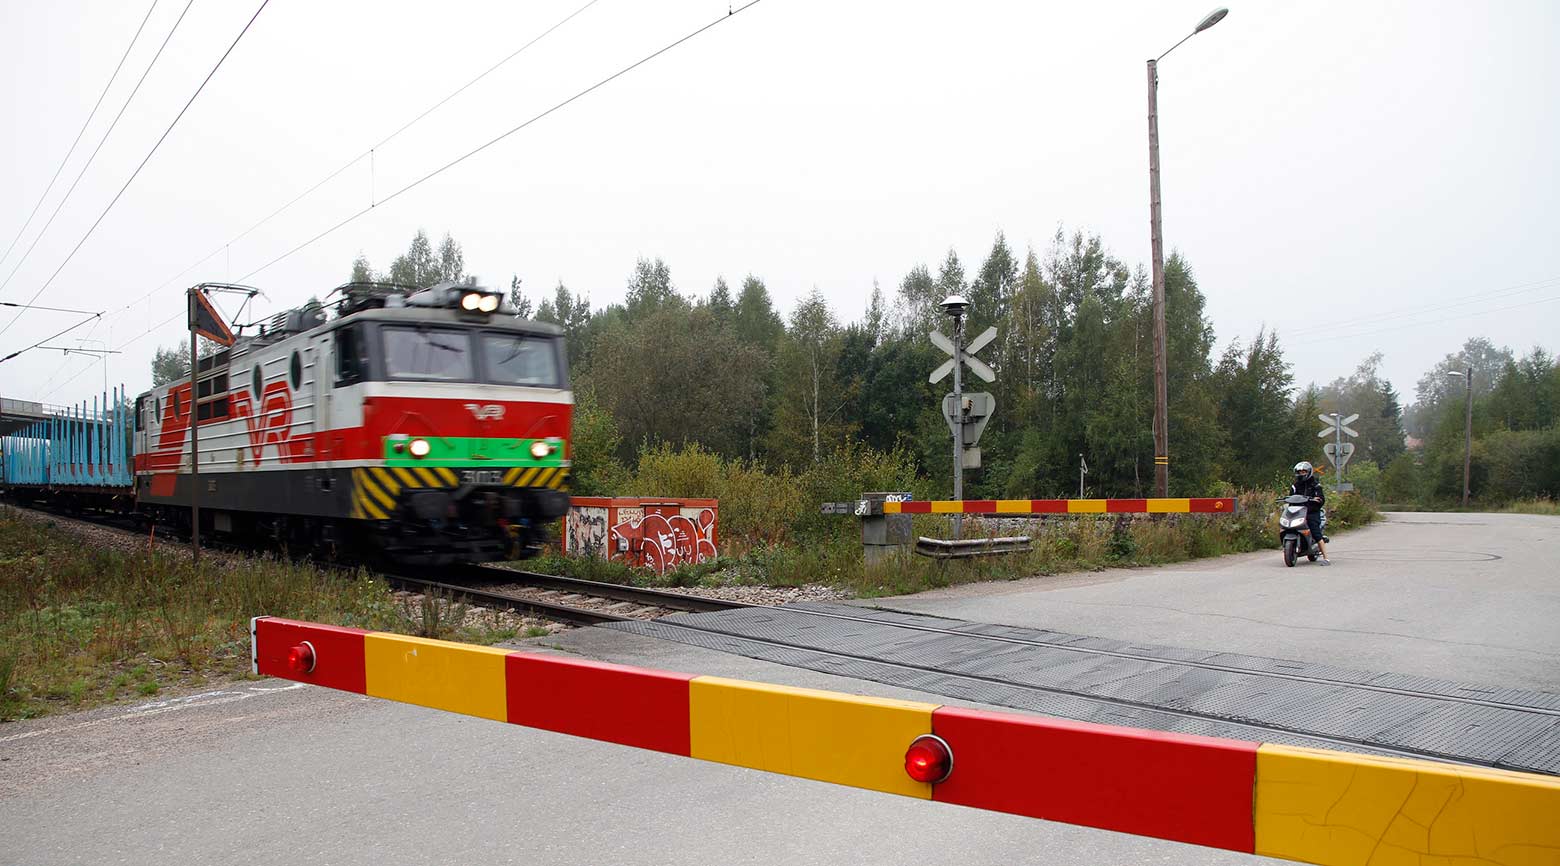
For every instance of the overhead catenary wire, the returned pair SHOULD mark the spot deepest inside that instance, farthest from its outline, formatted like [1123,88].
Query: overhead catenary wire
[88,164]
[62,333]
[83,131]
[366,154]
[147,158]
[618,74]
[731,13]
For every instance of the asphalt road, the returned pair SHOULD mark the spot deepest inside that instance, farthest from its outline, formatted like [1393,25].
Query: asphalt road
[1467,597]
[271,772]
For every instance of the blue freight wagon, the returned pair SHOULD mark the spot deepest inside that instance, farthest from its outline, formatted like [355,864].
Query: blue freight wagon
[83,446]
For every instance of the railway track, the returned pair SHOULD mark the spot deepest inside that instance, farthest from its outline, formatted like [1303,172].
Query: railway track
[565,599]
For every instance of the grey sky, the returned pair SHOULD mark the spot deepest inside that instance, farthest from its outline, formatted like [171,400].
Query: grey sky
[1377,163]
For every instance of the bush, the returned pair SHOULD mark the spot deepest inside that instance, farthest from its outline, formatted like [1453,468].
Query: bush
[1517,464]
[1402,482]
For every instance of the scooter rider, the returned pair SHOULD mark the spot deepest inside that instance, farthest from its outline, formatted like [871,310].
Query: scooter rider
[1307,485]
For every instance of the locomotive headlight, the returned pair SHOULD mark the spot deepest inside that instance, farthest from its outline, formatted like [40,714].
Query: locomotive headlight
[540,449]
[488,304]
[471,301]
[419,447]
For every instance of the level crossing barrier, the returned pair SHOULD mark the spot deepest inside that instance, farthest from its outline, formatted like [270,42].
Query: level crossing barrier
[1307,805]
[885,516]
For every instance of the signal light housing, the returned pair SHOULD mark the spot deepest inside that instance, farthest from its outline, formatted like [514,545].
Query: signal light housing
[929,759]
[301,658]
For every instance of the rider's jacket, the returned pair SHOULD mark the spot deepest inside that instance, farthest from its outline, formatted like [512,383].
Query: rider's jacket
[1310,488]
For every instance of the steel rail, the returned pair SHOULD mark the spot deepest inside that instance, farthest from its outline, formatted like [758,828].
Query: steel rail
[1210,666]
[562,613]
[615,591]
[1335,741]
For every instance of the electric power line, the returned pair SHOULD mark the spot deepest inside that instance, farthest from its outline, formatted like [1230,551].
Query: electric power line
[88,122]
[80,174]
[147,159]
[1474,298]
[1330,337]
[365,154]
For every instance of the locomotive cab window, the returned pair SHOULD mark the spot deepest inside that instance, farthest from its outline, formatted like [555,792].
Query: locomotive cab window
[351,361]
[520,359]
[438,354]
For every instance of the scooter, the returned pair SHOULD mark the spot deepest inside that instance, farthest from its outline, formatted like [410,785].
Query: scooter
[1293,531]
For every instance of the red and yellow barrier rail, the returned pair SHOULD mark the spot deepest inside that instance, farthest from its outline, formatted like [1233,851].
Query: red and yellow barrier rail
[1196,505]
[1307,805]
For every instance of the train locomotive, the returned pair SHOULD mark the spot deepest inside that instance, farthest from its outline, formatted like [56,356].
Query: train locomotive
[421,426]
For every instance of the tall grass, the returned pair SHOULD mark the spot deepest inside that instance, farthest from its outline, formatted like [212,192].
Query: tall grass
[81,624]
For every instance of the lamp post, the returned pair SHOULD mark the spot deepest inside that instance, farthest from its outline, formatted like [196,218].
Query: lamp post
[1467,430]
[1161,390]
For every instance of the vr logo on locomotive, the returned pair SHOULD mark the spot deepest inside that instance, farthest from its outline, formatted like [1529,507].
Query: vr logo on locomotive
[486,412]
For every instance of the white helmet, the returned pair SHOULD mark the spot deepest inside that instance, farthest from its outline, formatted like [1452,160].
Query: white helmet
[1302,470]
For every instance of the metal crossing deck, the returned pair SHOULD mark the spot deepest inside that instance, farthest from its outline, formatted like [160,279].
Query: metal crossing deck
[1143,686]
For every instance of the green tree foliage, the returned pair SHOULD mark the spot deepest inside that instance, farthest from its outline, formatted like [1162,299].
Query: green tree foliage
[675,375]
[1256,383]
[675,385]
[1436,387]
[811,393]
[594,446]
[572,313]
[169,364]
[173,362]
[419,266]
[517,299]
[1380,424]
[650,289]
[720,302]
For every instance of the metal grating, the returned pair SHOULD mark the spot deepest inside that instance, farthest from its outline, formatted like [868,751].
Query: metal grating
[1125,683]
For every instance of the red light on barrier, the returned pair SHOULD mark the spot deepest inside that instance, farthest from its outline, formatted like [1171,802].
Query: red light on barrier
[300,659]
[929,759]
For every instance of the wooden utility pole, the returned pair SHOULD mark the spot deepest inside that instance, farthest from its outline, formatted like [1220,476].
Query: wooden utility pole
[1161,389]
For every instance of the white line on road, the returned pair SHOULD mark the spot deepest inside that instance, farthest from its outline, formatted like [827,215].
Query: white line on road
[156,708]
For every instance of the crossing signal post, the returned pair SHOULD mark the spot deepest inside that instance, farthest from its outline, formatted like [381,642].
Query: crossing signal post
[967,414]
[1338,451]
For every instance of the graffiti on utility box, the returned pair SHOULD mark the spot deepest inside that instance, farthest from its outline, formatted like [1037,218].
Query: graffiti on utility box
[658,534]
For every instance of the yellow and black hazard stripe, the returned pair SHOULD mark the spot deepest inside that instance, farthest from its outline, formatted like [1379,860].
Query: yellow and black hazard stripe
[553,477]
[376,489]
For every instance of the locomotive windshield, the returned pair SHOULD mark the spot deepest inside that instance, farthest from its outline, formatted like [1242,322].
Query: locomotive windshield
[520,359]
[427,353]
[470,355]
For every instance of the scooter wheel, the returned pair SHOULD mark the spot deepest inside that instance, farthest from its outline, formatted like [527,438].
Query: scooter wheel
[1289,552]
[1313,556]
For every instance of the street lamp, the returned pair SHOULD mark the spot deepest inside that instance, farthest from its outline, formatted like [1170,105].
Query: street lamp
[1161,394]
[1467,429]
